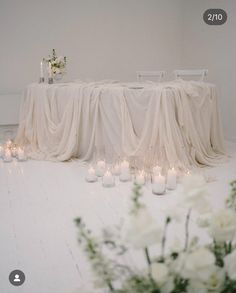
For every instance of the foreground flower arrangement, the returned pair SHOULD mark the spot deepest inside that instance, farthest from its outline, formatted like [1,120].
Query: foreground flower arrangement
[192,267]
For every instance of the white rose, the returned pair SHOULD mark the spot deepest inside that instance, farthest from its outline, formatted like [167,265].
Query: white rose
[223,225]
[213,284]
[160,273]
[216,280]
[141,230]
[198,264]
[230,265]
[195,193]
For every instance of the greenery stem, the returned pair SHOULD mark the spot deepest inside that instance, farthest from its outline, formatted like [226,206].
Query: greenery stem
[148,260]
[187,229]
[163,242]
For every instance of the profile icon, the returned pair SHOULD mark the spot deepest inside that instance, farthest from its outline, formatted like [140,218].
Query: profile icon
[17,278]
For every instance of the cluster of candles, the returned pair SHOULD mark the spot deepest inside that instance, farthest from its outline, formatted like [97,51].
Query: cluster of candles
[10,150]
[159,182]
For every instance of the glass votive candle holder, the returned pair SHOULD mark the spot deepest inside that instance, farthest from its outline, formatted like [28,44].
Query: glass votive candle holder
[171,180]
[108,179]
[14,151]
[140,178]
[21,155]
[158,184]
[116,169]
[100,168]
[91,175]
[1,151]
[7,156]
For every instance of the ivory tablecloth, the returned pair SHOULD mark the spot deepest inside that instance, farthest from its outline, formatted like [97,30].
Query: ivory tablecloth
[177,122]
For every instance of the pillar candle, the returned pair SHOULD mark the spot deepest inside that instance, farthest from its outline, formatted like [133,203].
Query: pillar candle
[159,185]
[171,179]
[91,176]
[49,70]
[108,179]
[116,169]
[7,155]
[124,166]
[100,168]
[140,178]
[1,151]
[20,154]
[156,170]
[41,69]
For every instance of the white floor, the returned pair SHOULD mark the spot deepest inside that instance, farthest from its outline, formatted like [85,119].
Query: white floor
[38,202]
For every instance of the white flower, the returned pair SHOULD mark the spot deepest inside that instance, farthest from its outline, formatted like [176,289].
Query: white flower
[223,225]
[141,230]
[195,193]
[160,273]
[216,280]
[198,264]
[230,265]
[213,284]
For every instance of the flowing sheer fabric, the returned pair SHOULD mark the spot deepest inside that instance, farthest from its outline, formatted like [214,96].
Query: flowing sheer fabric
[176,122]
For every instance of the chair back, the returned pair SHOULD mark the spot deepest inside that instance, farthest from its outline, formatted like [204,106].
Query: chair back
[150,75]
[182,73]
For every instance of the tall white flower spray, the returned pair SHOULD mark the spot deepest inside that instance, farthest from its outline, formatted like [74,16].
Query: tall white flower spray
[194,268]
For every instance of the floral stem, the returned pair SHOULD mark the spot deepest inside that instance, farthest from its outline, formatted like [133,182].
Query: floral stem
[147,256]
[148,261]
[187,229]
[163,242]
[110,286]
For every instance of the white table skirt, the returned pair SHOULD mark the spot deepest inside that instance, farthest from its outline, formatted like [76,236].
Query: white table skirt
[176,122]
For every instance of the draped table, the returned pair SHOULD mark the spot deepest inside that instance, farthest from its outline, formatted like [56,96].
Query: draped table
[177,122]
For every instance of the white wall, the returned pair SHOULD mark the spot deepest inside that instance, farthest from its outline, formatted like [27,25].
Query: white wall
[112,39]
[213,47]
[103,39]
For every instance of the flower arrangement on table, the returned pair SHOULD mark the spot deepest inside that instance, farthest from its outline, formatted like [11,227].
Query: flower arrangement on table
[192,268]
[56,64]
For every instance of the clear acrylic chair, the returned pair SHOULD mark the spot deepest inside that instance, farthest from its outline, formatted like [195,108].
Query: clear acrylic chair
[184,73]
[150,75]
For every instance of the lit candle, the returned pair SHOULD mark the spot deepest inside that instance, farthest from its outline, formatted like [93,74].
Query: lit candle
[116,169]
[91,176]
[1,151]
[140,178]
[8,143]
[41,69]
[171,179]
[7,155]
[159,185]
[124,166]
[21,154]
[49,70]
[100,168]
[156,170]
[14,151]
[108,179]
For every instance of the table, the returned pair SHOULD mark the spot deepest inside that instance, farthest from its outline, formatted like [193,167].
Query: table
[175,123]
